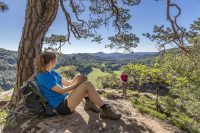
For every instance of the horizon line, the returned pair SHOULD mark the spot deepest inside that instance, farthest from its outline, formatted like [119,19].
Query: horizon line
[97,52]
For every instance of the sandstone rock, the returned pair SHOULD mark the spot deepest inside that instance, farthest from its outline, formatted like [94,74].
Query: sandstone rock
[22,120]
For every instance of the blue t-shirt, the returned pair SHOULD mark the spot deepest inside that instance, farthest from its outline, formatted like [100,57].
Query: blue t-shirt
[46,81]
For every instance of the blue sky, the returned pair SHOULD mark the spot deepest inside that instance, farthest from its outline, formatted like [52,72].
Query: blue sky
[144,16]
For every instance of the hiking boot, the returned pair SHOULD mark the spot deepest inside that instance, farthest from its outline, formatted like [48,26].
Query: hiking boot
[108,113]
[89,105]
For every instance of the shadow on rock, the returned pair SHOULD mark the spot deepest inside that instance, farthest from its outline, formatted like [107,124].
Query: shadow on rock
[124,125]
[79,121]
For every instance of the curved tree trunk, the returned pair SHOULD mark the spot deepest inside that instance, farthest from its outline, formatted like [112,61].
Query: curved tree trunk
[39,16]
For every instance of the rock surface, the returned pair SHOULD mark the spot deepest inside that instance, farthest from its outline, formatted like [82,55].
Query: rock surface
[81,121]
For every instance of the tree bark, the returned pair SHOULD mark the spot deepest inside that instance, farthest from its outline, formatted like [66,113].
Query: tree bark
[39,16]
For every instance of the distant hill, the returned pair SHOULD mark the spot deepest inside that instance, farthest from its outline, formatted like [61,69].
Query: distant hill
[100,56]
[10,56]
[121,56]
[8,61]
[87,57]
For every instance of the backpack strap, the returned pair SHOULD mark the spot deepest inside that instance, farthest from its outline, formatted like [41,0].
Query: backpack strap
[37,92]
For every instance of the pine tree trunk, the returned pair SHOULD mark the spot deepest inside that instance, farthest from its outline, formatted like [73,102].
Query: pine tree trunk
[39,16]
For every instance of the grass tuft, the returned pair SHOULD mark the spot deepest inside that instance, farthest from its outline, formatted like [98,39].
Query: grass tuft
[3,115]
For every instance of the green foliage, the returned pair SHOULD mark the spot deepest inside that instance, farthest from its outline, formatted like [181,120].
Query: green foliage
[108,67]
[7,68]
[109,94]
[93,76]
[146,105]
[135,72]
[195,26]
[123,40]
[133,93]
[151,112]
[3,6]
[169,104]
[3,115]
[83,63]
[144,101]
[139,75]
[185,123]
[182,76]
[55,40]
[117,73]
[68,71]
[6,98]
[102,13]
[109,81]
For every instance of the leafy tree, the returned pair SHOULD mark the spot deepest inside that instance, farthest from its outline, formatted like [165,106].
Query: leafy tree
[7,68]
[175,34]
[182,69]
[157,77]
[3,6]
[40,14]
[136,73]
[55,40]
[109,81]
[182,76]
[196,26]
[195,40]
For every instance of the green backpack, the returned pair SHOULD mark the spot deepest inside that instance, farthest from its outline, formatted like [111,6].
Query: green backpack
[34,99]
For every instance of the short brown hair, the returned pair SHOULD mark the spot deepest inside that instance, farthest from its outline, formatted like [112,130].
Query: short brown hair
[43,59]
